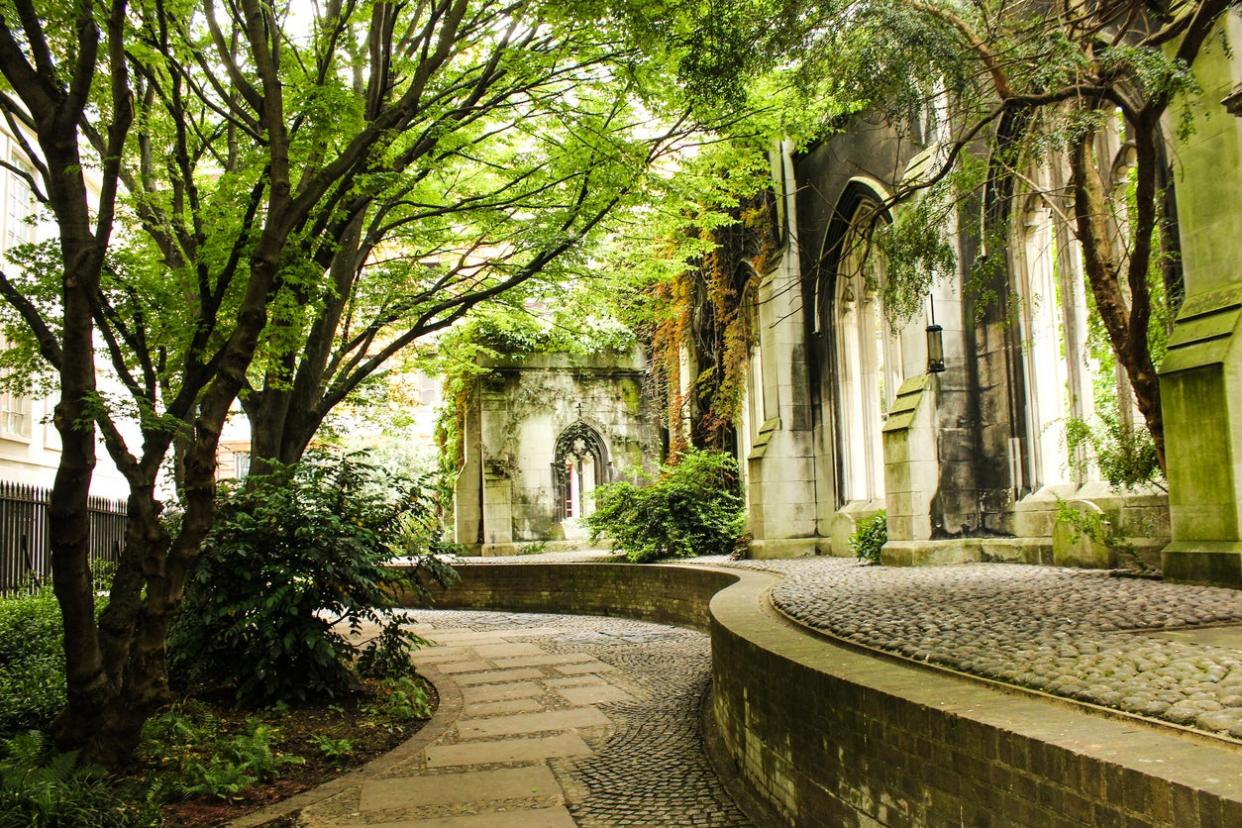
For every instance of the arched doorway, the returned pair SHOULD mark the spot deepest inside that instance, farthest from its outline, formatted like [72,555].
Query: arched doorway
[863,354]
[581,464]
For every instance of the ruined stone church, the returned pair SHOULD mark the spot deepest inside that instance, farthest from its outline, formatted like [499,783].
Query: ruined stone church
[954,422]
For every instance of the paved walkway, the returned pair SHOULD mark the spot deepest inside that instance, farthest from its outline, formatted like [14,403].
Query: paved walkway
[1167,651]
[545,722]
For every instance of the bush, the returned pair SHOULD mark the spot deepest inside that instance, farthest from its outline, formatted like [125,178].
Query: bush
[870,536]
[40,788]
[1125,453]
[32,662]
[693,508]
[296,562]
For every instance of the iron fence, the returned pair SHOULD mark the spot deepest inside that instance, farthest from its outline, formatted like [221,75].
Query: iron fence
[25,537]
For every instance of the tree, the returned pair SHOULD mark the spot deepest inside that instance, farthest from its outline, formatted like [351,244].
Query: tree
[499,203]
[1019,86]
[63,68]
[264,159]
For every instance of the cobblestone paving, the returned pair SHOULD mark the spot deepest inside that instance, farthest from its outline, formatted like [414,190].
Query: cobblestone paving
[1118,642]
[563,721]
[648,767]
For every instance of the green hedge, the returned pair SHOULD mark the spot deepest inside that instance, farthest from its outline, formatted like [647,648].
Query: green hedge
[693,508]
[32,662]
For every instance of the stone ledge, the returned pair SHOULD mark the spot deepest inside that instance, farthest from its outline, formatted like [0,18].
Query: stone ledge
[828,735]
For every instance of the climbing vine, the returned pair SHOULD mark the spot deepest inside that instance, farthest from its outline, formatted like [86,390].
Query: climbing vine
[705,324]
[558,323]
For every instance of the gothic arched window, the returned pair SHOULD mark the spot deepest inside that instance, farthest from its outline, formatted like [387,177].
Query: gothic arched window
[581,464]
[868,358]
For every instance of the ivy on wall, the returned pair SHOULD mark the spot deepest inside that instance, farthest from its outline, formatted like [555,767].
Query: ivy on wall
[706,324]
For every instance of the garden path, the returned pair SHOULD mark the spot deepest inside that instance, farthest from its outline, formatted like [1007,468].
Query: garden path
[545,721]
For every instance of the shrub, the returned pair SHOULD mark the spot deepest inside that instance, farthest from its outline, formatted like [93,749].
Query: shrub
[40,788]
[294,564]
[870,536]
[32,671]
[1124,452]
[694,508]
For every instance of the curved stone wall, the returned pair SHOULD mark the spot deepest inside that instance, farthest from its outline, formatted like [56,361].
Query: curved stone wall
[832,736]
[664,594]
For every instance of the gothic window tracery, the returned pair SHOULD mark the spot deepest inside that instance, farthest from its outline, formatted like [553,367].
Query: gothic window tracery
[580,465]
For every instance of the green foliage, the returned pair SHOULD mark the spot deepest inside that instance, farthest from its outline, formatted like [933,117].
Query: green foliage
[403,699]
[870,536]
[244,760]
[333,748]
[40,788]
[295,563]
[1123,452]
[1096,526]
[32,662]
[387,655]
[196,757]
[693,508]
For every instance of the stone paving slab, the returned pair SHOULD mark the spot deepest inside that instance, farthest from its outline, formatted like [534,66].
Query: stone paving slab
[508,650]
[545,659]
[1138,645]
[434,655]
[464,787]
[499,692]
[507,750]
[616,746]
[593,694]
[590,667]
[490,636]
[525,818]
[508,706]
[498,676]
[471,666]
[521,723]
[577,681]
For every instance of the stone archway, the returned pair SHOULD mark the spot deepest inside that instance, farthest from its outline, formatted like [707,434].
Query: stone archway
[580,464]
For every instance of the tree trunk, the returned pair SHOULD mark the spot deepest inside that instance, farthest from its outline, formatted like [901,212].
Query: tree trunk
[1126,323]
[284,417]
[69,519]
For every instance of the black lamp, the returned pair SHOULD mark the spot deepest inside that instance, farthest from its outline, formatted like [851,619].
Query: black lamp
[935,343]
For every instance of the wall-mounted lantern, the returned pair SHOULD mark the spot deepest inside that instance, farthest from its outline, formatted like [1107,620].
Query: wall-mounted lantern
[935,348]
[935,342]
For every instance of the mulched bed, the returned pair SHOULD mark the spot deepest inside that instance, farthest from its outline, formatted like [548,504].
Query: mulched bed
[367,725]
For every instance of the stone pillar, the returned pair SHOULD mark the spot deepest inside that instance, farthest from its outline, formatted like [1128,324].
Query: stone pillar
[911,473]
[1201,377]
[468,489]
[781,465]
[498,462]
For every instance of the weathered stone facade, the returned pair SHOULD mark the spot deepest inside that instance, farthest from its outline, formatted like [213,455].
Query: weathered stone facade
[540,433]
[970,463]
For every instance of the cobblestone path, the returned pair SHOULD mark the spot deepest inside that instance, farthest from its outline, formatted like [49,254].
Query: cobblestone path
[1169,651]
[563,721]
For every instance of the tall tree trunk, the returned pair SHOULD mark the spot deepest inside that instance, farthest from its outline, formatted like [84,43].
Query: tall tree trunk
[1125,322]
[72,582]
[285,416]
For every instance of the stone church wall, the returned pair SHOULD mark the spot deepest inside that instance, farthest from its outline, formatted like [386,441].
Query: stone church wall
[508,494]
[961,460]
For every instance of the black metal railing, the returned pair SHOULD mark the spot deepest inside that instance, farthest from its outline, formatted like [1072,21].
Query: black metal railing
[25,537]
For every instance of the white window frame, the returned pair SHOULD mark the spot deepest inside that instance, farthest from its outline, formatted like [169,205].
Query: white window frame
[868,363]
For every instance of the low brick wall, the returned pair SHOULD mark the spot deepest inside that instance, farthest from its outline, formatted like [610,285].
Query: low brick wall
[664,594]
[830,736]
